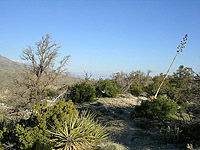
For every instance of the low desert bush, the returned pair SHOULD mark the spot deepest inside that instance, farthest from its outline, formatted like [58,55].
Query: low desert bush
[162,107]
[1,136]
[82,92]
[106,88]
[171,134]
[58,126]
[50,93]
[136,89]
[181,133]
[191,132]
[33,132]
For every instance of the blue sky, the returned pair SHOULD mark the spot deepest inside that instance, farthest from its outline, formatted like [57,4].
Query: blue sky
[106,36]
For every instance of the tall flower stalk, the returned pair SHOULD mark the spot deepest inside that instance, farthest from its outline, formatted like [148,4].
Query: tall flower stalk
[180,49]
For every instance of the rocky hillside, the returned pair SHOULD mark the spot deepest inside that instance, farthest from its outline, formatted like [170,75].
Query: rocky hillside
[9,65]
[11,70]
[8,70]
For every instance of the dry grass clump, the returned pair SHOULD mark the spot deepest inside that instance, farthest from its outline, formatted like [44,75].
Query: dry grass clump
[112,146]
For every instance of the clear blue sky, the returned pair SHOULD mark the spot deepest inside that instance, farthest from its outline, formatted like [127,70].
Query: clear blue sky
[106,36]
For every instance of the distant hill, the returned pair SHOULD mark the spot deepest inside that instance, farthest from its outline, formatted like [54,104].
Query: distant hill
[9,65]
[8,71]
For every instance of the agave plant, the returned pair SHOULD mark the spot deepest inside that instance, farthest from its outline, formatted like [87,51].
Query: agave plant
[81,132]
[180,49]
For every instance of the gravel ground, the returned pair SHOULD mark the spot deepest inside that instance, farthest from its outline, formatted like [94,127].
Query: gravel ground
[115,113]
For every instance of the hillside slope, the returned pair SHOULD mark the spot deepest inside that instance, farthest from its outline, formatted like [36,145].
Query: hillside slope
[9,65]
[8,70]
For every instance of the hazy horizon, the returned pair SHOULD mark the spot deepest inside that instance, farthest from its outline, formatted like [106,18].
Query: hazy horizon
[105,37]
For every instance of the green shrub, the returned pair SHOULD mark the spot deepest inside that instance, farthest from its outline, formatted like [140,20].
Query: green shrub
[191,132]
[152,88]
[106,88]
[162,107]
[83,92]
[33,133]
[181,133]
[50,93]
[43,129]
[183,85]
[80,132]
[171,134]
[136,89]
[1,136]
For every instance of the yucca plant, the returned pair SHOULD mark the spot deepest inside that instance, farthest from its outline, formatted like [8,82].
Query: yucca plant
[81,132]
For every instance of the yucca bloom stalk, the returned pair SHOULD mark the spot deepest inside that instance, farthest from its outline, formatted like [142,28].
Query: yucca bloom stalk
[79,133]
[180,49]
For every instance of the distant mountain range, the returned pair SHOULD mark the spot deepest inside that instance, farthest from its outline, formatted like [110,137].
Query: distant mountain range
[8,71]
[9,65]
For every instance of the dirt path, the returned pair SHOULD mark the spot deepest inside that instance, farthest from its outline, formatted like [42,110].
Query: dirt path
[115,113]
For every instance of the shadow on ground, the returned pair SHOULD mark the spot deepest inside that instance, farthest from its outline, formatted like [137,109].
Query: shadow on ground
[122,128]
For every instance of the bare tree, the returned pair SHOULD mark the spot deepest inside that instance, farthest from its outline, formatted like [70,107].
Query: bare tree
[125,80]
[87,76]
[43,69]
